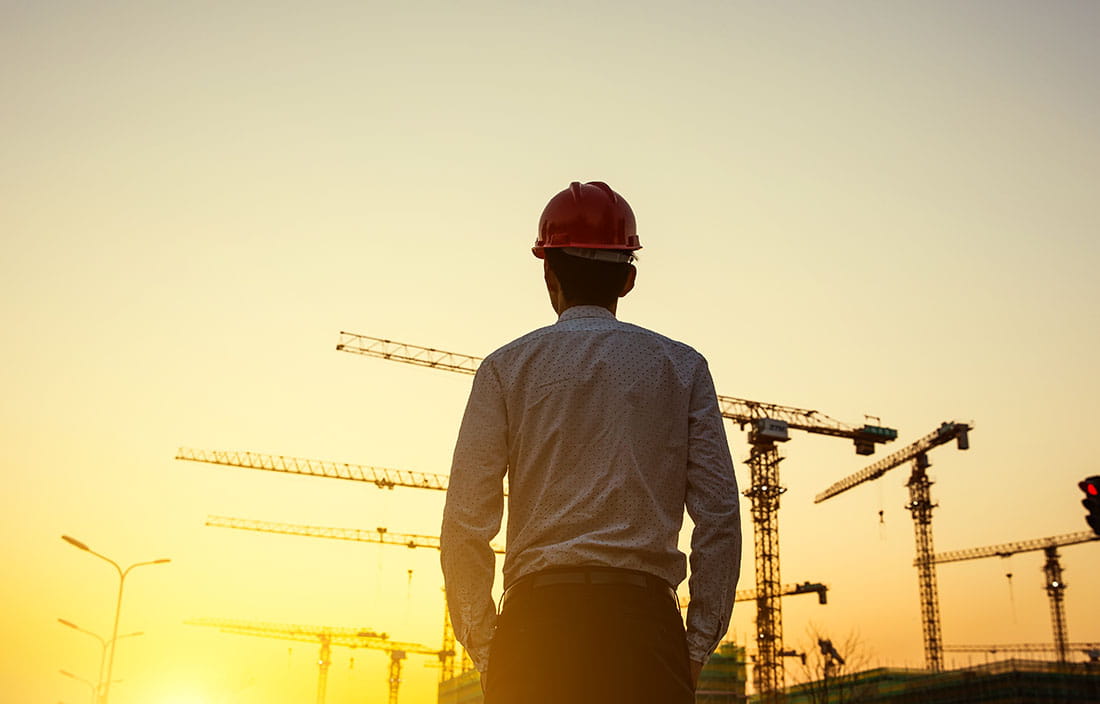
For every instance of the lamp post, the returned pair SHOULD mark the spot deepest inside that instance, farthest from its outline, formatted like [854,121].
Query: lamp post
[118,604]
[102,642]
[81,679]
[94,688]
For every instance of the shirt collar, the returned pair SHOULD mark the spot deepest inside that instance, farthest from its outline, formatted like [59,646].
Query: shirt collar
[585,312]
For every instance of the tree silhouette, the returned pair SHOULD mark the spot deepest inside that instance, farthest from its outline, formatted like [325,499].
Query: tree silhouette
[825,675]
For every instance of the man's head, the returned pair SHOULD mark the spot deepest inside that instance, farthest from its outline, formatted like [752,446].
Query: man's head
[587,236]
[579,281]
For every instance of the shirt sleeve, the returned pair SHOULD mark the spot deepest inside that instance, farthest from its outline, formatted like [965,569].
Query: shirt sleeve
[472,515]
[714,506]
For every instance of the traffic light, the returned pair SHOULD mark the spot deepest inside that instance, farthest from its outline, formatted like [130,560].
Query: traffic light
[1091,487]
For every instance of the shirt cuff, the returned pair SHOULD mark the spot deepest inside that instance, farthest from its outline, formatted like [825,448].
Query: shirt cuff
[699,651]
[480,656]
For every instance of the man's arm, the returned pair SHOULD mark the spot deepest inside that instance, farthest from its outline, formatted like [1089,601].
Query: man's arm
[714,506]
[472,515]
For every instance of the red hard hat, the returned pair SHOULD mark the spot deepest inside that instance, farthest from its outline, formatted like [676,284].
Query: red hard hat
[587,216]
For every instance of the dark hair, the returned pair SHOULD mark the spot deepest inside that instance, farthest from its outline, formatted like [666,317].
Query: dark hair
[587,281]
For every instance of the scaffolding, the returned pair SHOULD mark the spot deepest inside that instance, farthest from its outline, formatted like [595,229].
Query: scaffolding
[1003,682]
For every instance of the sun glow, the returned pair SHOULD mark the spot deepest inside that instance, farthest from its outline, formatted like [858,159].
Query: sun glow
[184,698]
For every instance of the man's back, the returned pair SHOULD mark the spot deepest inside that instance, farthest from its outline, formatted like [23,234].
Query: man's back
[606,432]
[597,429]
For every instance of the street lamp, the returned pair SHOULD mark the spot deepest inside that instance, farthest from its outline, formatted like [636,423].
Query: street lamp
[102,642]
[118,605]
[81,679]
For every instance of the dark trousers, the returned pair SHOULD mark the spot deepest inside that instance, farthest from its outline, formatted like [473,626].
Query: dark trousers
[589,643]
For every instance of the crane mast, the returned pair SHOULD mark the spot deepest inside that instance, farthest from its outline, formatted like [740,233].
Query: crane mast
[764,492]
[768,423]
[1056,588]
[920,506]
[1052,570]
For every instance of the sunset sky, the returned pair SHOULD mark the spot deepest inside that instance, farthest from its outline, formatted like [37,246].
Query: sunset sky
[864,208]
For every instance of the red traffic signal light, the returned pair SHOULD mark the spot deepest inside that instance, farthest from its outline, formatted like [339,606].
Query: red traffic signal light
[1091,487]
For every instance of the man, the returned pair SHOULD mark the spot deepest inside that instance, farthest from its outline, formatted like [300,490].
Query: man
[605,432]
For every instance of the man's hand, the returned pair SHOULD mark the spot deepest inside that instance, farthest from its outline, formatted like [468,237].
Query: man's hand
[696,668]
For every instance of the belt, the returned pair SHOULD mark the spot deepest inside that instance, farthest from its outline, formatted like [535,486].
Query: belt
[595,576]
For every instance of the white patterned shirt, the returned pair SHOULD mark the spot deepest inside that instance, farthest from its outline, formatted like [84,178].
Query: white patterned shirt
[606,431]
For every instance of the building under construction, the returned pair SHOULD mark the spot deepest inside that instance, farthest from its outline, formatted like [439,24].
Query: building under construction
[463,688]
[1006,682]
[725,676]
[1003,682]
[722,681]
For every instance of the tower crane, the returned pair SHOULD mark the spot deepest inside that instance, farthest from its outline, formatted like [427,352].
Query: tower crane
[768,424]
[1052,570]
[920,505]
[328,636]
[382,477]
[378,535]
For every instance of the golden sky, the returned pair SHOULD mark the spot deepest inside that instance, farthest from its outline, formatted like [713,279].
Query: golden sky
[855,207]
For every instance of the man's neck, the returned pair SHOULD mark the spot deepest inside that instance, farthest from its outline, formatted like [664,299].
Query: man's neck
[566,305]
